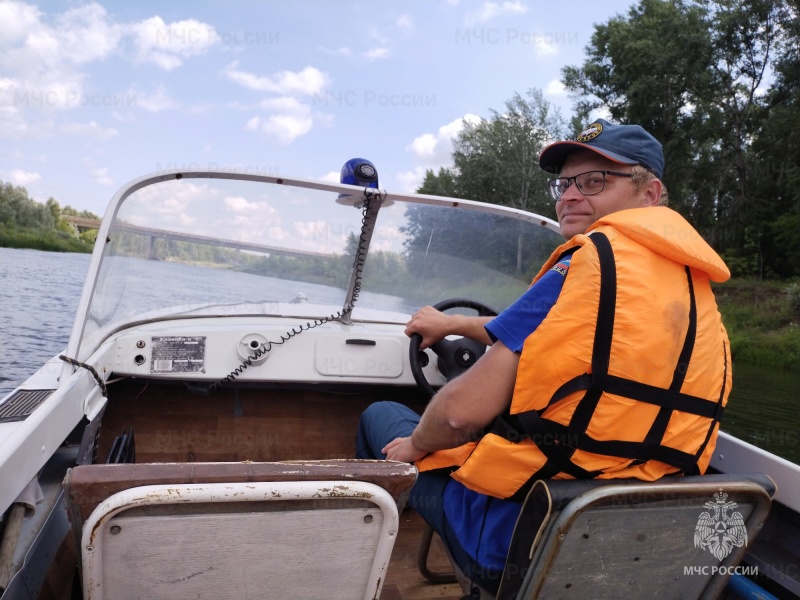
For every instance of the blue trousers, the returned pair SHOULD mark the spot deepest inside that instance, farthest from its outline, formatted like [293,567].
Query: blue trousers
[380,424]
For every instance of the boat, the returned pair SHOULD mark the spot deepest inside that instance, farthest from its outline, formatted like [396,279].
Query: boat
[196,437]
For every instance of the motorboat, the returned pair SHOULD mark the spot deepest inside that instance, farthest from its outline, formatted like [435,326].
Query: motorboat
[196,437]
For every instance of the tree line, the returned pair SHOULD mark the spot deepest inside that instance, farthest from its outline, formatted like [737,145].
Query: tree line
[716,81]
[24,222]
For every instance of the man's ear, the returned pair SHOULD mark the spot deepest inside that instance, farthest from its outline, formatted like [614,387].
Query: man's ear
[652,193]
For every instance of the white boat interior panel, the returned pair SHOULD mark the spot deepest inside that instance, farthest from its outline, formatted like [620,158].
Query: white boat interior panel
[210,351]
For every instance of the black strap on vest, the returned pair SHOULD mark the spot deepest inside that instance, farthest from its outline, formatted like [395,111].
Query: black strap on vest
[559,442]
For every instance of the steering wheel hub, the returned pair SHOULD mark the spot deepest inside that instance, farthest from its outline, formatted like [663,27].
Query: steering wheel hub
[465,357]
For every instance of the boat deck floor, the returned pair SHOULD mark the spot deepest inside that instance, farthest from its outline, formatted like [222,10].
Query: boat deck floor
[403,579]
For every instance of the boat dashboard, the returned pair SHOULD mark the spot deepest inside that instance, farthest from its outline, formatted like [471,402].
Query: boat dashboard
[255,349]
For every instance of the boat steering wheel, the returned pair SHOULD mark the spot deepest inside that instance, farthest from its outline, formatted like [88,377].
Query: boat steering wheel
[454,356]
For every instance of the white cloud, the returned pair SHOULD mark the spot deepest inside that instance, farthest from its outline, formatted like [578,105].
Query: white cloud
[309,81]
[155,101]
[331,177]
[343,51]
[436,148]
[410,180]
[290,118]
[20,177]
[311,229]
[375,33]
[77,36]
[101,176]
[543,45]
[405,22]
[239,204]
[90,129]
[85,34]
[42,59]
[424,145]
[376,53]
[285,128]
[284,103]
[490,10]
[555,88]
[16,20]
[433,150]
[168,204]
[12,123]
[168,45]
[122,118]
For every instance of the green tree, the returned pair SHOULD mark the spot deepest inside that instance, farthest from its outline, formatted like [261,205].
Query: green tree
[776,158]
[442,183]
[691,72]
[19,210]
[496,159]
[639,69]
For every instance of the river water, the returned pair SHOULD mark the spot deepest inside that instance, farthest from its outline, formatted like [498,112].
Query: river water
[39,293]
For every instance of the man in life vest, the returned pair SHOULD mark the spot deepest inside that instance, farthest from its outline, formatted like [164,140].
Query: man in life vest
[614,364]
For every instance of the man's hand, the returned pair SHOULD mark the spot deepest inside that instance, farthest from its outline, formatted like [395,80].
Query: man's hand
[431,324]
[434,325]
[401,449]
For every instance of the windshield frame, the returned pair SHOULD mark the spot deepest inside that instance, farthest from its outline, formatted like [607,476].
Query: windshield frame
[75,349]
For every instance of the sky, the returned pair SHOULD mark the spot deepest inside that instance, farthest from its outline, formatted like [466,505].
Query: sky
[95,94]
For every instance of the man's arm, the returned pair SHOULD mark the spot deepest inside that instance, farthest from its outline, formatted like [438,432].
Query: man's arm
[463,407]
[434,325]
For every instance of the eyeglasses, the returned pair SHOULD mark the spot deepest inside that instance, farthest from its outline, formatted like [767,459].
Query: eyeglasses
[588,184]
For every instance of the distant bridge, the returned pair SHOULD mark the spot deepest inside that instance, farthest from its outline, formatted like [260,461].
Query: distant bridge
[155,234]
[82,222]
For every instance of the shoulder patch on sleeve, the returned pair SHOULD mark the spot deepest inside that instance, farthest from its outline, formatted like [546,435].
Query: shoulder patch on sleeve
[562,266]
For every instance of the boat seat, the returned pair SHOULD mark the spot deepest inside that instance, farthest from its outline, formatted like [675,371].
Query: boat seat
[628,538]
[307,529]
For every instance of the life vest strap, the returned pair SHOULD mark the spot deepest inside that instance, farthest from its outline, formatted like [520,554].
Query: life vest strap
[558,443]
[632,450]
[718,415]
[553,439]
[658,429]
[603,333]
[650,394]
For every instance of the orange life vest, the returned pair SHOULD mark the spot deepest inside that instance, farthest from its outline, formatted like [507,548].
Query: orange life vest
[628,374]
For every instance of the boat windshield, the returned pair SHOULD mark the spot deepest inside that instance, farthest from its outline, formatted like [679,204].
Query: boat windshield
[193,246]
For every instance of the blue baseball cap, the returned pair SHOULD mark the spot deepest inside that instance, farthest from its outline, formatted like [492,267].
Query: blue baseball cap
[625,144]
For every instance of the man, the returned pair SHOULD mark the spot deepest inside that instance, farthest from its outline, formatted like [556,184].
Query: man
[613,364]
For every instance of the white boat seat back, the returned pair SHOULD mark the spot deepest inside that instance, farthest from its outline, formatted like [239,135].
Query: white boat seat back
[679,537]
[238,539]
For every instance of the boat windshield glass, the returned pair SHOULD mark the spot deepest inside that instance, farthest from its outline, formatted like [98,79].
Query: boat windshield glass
[222,246]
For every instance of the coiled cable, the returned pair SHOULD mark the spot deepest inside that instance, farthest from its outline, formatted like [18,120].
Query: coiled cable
[360,260]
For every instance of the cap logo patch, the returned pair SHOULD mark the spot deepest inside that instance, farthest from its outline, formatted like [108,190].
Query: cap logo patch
[591,132]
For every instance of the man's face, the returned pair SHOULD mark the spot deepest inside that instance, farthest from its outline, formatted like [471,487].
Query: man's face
[577,212]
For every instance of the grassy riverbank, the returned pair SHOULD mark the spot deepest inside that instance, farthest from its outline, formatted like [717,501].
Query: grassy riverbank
[763,321]
[51,241]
